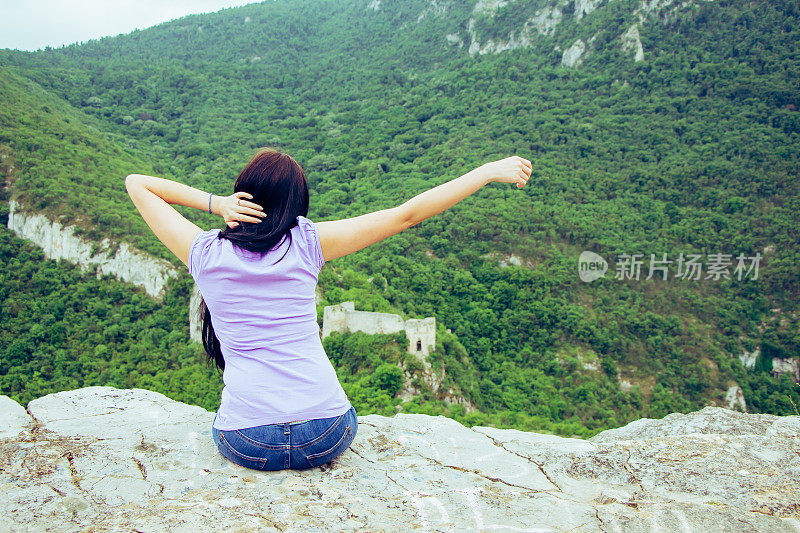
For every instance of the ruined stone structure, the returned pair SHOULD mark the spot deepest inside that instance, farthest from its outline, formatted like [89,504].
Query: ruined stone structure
[343,317]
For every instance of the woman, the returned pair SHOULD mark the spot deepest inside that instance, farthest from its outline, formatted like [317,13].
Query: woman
[282,405]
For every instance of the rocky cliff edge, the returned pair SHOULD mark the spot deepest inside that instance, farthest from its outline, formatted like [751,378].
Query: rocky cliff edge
[113,459]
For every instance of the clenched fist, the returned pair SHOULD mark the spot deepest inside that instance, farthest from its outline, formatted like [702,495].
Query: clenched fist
[512,169]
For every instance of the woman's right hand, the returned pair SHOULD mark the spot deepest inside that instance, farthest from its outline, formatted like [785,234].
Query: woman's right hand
[237,208]
[512,169]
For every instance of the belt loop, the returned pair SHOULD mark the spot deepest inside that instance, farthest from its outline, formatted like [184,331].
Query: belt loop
[287,452]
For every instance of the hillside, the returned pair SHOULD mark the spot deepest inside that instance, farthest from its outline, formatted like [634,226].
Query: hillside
[71,170]
[674,130]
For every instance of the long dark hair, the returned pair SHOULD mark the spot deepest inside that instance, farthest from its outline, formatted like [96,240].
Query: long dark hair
[278,184]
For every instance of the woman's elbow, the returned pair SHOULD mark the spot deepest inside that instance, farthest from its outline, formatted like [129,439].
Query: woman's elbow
[404,217]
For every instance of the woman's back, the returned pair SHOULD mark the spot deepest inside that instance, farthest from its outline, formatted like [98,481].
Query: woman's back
[260,322]
[264,316]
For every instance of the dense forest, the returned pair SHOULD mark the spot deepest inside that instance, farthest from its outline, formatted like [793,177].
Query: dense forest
[693,150]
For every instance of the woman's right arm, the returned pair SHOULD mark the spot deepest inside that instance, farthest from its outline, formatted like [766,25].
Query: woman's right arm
[342,237]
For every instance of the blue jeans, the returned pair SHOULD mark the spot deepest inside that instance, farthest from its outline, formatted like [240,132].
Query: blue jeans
[295,445]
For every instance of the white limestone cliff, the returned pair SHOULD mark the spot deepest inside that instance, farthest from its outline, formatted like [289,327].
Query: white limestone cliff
[572,55]
[105,459]
[749,359]
[734,398]
[631,42]
[543,22]
[489,7]
[584,7]
[787,365]
[60,242]
[195,320]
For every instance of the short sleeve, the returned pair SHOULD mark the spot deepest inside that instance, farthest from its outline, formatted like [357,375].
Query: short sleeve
[199,250]
[313,247]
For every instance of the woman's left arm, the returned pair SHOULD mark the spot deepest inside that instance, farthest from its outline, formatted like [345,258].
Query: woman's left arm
[152,196]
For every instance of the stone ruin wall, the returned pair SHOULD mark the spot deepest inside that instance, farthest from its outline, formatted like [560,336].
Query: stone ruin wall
[421,332]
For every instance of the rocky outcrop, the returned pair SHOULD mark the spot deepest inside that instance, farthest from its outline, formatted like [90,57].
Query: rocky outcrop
[13,418]
[454,39]
[749,359]
[545,20]
[435,8]
[631,42]
[195,320]
[780,365]
[584,7]
[489,7]
[506,260]
[786,366]
[60,242]
[542,22]
[572,55]
[734,398]
[108,459]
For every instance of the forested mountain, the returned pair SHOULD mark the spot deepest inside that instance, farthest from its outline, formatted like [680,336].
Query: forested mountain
[655,127]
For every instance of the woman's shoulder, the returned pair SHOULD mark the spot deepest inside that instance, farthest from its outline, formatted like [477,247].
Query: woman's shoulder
[304,221]
[200,247]
[310,239]
[306,227]
[205,238]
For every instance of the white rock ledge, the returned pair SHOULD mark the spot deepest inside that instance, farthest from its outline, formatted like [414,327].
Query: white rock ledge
[60,242]
[110,459]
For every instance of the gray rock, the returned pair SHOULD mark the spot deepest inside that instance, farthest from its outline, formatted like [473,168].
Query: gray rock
[113,459]
[632,42]
[13,418]
[572,55]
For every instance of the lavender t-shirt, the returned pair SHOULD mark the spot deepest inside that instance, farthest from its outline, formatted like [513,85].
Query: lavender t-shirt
[265,318]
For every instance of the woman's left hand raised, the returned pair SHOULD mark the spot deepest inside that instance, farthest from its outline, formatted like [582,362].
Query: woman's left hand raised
[237,208]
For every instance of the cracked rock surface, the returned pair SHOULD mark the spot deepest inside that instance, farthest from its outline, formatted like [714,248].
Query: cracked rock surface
[132,459]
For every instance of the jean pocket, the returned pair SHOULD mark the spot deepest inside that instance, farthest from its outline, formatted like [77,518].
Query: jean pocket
[319,439]
[238,451]
[334,451]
